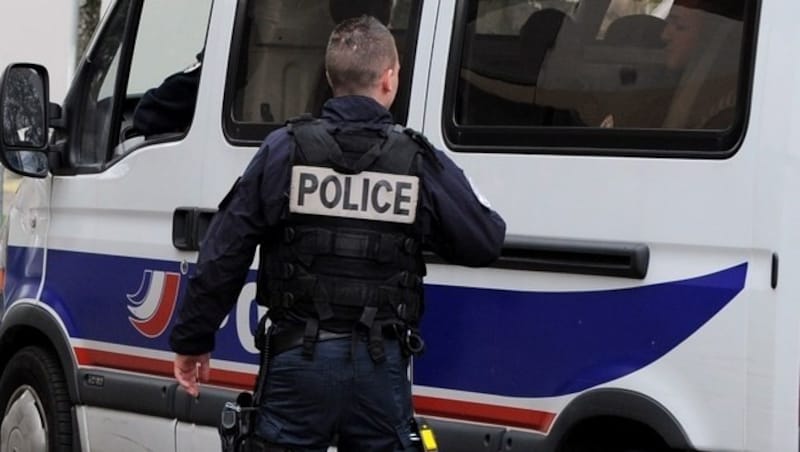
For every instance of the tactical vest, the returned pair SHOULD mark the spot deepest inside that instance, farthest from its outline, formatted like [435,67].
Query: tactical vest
[349,253]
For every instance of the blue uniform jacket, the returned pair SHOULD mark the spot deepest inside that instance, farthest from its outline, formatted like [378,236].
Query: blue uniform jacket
[455,224]
[169,107]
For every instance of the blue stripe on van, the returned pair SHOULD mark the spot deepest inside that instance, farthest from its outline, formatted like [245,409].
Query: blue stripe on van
[545,344]
[503,342]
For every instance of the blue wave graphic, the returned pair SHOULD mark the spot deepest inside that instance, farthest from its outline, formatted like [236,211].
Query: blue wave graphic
[542,344]
[503,342]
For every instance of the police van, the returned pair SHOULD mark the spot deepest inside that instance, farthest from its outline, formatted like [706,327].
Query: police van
[644,159]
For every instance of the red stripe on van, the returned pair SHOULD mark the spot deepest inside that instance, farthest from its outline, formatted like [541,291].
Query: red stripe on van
[455,409]
[482,412]
[90,357]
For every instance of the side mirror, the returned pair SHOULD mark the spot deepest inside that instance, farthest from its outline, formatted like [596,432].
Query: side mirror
[24,118]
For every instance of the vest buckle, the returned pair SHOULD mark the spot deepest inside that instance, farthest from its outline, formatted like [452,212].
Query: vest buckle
[410,246]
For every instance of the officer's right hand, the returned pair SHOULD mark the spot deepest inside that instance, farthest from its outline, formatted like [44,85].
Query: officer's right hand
[192,369]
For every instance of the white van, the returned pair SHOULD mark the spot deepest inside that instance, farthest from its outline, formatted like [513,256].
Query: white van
[648,296]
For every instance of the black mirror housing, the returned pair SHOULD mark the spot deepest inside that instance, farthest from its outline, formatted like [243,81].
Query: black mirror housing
[24,118]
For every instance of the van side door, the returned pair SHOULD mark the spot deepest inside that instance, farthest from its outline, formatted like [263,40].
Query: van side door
[115,265]
[619,160]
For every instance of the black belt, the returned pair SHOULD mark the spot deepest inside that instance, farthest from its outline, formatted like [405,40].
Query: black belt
[290,338]
[293,337]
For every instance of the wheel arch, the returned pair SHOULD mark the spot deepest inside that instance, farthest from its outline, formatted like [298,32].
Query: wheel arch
[625,405]
[30,324]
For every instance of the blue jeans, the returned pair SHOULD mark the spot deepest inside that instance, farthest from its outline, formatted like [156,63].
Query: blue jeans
[308,402]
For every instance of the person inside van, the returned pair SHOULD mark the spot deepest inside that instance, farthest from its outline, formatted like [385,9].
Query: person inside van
[169,107]
[701,42]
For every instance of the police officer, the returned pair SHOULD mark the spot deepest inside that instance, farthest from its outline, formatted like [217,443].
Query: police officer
[342,207]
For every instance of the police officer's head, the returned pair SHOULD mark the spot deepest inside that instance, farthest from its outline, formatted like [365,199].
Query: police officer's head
[361,59]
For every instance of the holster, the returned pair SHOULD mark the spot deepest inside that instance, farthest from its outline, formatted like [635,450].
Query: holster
[238,421]
[237,427]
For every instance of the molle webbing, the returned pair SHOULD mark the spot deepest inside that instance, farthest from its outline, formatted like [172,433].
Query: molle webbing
[350,243]
[398,296]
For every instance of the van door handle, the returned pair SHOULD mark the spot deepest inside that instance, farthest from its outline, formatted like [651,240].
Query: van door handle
[189,226]
[585,257]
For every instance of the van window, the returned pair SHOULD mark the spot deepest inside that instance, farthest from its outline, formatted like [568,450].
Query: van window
[277,66]
[100,72]
[125,62]
[152,60]
[523,69]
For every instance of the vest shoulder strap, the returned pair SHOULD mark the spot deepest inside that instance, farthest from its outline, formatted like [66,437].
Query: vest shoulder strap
[427,149]
[396,153]
[305,117]
[315,145]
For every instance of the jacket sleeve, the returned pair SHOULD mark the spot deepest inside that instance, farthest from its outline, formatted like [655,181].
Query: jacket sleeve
[458,223]
[241,224]
[170,106]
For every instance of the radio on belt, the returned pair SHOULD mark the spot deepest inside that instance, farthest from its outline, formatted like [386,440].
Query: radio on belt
[366,195]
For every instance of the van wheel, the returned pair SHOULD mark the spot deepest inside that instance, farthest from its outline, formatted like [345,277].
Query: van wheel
[35,403]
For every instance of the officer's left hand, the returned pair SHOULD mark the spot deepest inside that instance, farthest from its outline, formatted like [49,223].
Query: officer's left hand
[192,369]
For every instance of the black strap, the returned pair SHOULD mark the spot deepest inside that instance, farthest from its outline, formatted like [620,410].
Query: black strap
[375,340]
[428,149]
[324,312]
[322,299]
[310,336]
[262,342]
[368,315]
[375,343]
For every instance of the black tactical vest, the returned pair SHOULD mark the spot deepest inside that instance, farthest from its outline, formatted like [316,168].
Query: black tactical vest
[349,256]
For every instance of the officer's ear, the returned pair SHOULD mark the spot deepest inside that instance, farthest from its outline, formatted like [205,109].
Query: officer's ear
[385,90]
[388,81]
[384,84]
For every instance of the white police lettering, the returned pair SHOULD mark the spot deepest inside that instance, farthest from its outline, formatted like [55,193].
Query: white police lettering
[364,196]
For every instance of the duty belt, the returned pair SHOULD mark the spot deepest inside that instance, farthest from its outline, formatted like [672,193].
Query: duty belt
[293,337]
[290,338]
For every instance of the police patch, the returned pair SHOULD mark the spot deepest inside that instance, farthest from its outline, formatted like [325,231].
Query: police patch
[364,196]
